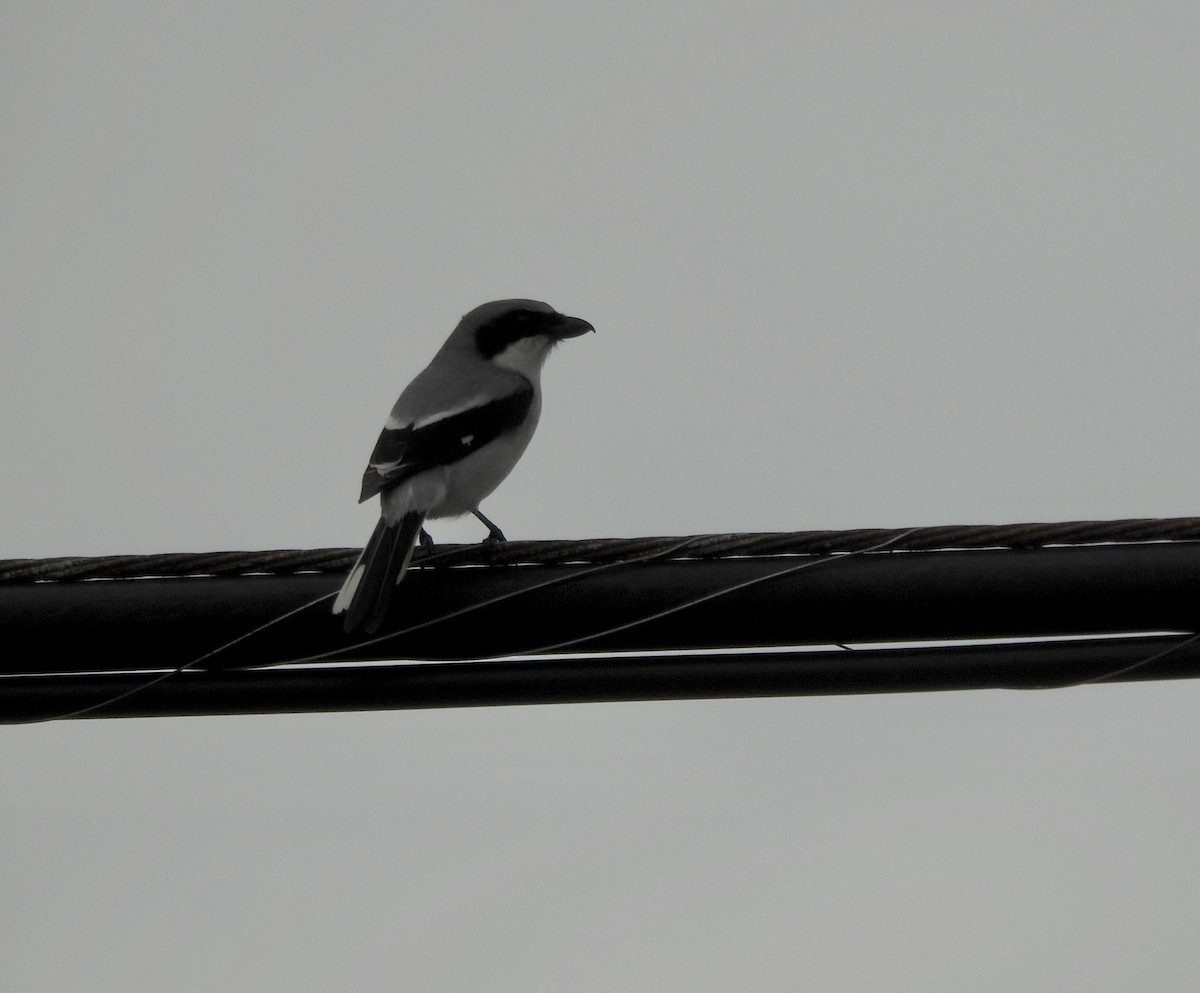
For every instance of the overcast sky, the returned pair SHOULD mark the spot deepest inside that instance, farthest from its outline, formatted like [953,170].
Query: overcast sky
[850,264]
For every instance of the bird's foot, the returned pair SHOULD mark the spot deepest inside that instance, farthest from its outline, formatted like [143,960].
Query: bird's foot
[494,533]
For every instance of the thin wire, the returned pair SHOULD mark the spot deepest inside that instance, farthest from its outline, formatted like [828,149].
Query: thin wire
[1113,673]
[109,701]
[659,553]
[666,612]
[556,581]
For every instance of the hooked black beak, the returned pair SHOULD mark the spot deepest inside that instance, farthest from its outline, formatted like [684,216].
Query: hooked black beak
[570,327]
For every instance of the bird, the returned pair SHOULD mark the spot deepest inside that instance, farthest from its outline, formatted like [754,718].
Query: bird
[455,433]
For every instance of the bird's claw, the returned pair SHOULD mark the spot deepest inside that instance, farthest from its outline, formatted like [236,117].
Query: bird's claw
[494,533]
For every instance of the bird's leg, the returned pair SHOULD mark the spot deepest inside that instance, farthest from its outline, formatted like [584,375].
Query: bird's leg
[426,542]
[494,533]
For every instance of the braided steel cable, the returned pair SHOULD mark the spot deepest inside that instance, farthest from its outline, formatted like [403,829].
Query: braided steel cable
[604,550]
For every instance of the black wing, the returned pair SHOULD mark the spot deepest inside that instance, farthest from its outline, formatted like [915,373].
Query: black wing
[401,453]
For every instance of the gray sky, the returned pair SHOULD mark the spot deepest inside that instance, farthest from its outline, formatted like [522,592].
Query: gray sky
[850,264]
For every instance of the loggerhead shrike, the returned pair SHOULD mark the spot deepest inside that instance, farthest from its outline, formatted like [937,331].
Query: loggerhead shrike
[457,430]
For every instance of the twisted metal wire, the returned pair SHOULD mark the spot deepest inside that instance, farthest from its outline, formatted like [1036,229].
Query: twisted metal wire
[602,550]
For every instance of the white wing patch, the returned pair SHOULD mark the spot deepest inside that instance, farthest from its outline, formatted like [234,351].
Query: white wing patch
[395,424]
[383,468]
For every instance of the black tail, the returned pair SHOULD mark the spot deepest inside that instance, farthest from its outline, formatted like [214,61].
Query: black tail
[368,588]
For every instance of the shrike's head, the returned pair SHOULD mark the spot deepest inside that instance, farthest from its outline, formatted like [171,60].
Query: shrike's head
[516,334]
